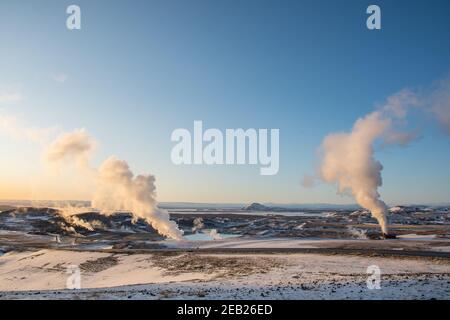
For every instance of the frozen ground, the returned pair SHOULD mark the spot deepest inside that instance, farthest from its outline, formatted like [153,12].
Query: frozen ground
[189,275]
[226,255]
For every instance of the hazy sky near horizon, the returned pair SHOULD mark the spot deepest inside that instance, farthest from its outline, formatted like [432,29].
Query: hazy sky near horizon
[139,69]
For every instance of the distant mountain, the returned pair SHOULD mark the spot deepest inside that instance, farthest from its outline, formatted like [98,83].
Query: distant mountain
[257,207]
[315,206]
[298,207]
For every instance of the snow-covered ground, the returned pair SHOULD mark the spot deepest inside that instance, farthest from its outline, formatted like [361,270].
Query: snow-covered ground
[409,241]
[414,236]
[188,275]
[48,269]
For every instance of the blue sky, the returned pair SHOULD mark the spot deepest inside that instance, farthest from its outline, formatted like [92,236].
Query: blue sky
[140,69]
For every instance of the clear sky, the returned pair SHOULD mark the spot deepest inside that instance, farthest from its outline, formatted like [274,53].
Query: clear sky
[137,70]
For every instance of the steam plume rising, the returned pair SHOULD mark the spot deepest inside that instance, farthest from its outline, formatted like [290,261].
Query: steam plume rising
[119,189]
[348,160]
[198,224]
[74,146]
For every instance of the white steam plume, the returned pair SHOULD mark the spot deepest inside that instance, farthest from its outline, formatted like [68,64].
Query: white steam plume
[215,235]
[119,189]
[198,224]
[348,158]
[348,161]
[76,146]
[70,215]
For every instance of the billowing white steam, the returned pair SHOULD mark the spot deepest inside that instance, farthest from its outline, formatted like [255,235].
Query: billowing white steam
[197,224]
[215,235]
[119,189]
[70,214]
[358,233]
[76,146]
[348,160]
